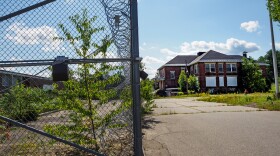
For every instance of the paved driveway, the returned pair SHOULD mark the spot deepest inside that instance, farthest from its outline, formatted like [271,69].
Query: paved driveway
[187,127]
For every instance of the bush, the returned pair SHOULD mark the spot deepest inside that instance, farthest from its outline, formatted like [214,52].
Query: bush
[147,97]
[22,104]
[183,81]
[180,93]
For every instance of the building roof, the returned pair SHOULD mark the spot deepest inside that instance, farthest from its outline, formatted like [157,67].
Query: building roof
[182,59]
[210,56]
[22,74]
[214,56]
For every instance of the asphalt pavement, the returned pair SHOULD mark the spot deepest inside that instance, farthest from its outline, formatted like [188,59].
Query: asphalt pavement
[182,127]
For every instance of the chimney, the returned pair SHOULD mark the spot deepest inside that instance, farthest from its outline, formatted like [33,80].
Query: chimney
[200,53]
[245,54]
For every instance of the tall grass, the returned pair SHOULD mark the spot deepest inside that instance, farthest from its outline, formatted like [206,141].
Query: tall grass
[258,100]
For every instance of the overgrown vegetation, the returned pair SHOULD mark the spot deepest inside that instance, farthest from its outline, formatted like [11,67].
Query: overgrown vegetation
[258,100]
[91,87]
[24,103]
[252,78]
[274,7]
[147,96]
[182,81]
[193,84]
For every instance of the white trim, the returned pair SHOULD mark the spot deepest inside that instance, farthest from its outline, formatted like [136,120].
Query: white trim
[226,60]
[177,65]
[263,64]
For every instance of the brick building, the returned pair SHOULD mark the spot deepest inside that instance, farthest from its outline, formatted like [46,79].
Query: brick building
[9,79]
[214,70]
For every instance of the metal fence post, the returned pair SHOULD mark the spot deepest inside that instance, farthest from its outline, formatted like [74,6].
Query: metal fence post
[136,79]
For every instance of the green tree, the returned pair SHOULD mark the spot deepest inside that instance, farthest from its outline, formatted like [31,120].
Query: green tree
[147,96]
[252,77]
[274,7]
[193,83]
[183,81]
[92,87]
[267,58]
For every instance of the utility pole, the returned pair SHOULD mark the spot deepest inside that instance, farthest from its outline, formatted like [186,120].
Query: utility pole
[274,58]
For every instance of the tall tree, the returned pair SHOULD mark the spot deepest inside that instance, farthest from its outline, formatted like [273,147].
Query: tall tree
[267,58]
[91,88]
[274,8]
[193,83]
[183,81]
[252,77]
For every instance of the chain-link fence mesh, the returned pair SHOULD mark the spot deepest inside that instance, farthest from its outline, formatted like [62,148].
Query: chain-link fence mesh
[93,109]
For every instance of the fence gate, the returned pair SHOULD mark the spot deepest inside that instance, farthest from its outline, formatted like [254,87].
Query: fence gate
[69,77]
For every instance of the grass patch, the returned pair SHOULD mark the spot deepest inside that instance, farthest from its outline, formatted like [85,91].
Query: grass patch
[258,100]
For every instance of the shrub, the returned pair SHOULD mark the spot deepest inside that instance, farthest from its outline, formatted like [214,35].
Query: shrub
[193,83]
[147,97]
[180,93]
[22,104]
[183,81]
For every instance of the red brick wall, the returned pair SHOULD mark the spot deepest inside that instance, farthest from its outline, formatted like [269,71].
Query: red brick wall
[174,82]
[202,76]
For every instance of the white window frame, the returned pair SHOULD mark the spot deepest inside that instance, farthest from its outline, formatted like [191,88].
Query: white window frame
[222,67]
[210,65]
[172,75]
[235,83]
[196,68]
[210,81]
[231,68]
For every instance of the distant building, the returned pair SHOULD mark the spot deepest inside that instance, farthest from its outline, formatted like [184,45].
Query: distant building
[213,69]
[9,79]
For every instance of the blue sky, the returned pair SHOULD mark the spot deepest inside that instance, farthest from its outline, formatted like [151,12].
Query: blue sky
[166,28]
[181,27]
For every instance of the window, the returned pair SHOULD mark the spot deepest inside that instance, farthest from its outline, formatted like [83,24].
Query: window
[196,69]
[183,68]
[210,81]
[172,75]
[231,81]
[210,68]
[231,67]
[221,68]
[221,81]
[5,80]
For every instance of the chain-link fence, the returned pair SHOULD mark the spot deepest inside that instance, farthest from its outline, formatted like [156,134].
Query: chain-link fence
[89,44]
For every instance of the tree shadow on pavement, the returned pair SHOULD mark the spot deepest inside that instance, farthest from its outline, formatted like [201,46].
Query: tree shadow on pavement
[148,122]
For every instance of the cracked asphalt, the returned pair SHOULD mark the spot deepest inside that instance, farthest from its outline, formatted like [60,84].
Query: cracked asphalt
[182,127]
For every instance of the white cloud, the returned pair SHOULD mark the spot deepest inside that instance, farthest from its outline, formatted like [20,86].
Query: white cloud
[150,71]
[151,60]
[231,46]
[21,34]
[168,52]
[250,26]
